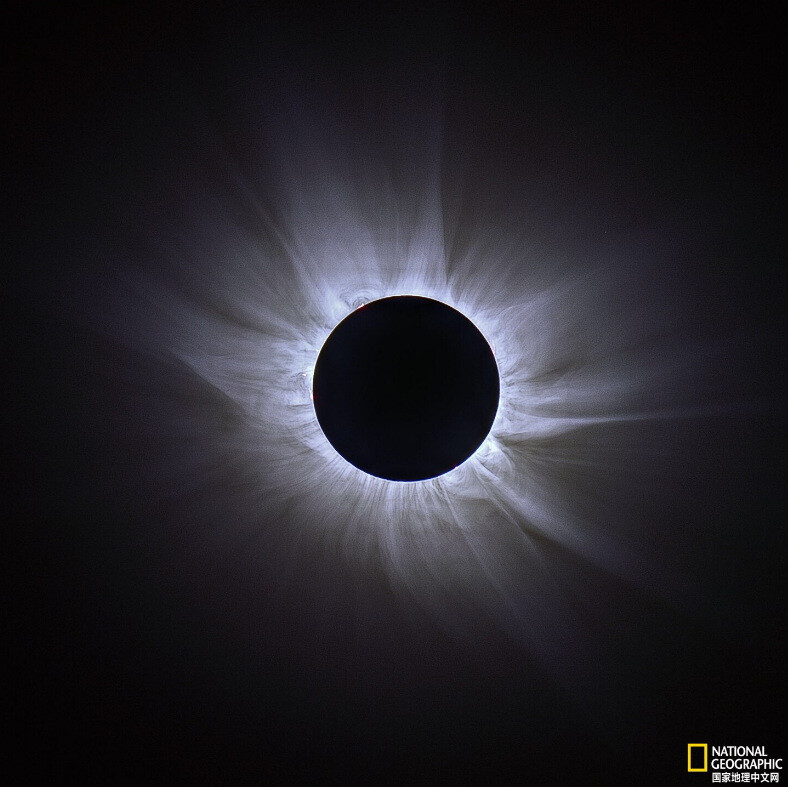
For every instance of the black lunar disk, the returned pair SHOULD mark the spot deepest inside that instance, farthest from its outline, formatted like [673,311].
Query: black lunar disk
[406,388]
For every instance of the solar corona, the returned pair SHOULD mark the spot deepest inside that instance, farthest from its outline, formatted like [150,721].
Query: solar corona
[365,373]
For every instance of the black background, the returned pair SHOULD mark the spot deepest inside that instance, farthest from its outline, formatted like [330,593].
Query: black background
[113,673]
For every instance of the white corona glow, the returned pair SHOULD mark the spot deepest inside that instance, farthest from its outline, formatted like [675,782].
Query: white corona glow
[246,289]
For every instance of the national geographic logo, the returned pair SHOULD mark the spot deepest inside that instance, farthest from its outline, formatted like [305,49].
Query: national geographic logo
[749,764]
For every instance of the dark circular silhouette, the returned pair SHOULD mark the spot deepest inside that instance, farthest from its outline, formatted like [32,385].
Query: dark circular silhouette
[406,388]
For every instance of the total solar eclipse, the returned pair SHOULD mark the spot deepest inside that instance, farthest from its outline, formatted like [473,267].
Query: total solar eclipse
[406,388]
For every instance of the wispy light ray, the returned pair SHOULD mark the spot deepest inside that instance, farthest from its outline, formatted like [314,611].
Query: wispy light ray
[246,303]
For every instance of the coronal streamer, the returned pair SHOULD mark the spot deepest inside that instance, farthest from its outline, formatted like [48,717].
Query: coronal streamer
[240,288]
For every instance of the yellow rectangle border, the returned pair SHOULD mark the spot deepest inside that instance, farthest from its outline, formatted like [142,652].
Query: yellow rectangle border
[705,747]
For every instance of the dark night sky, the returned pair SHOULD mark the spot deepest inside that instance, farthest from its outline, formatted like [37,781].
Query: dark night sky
[119,669]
